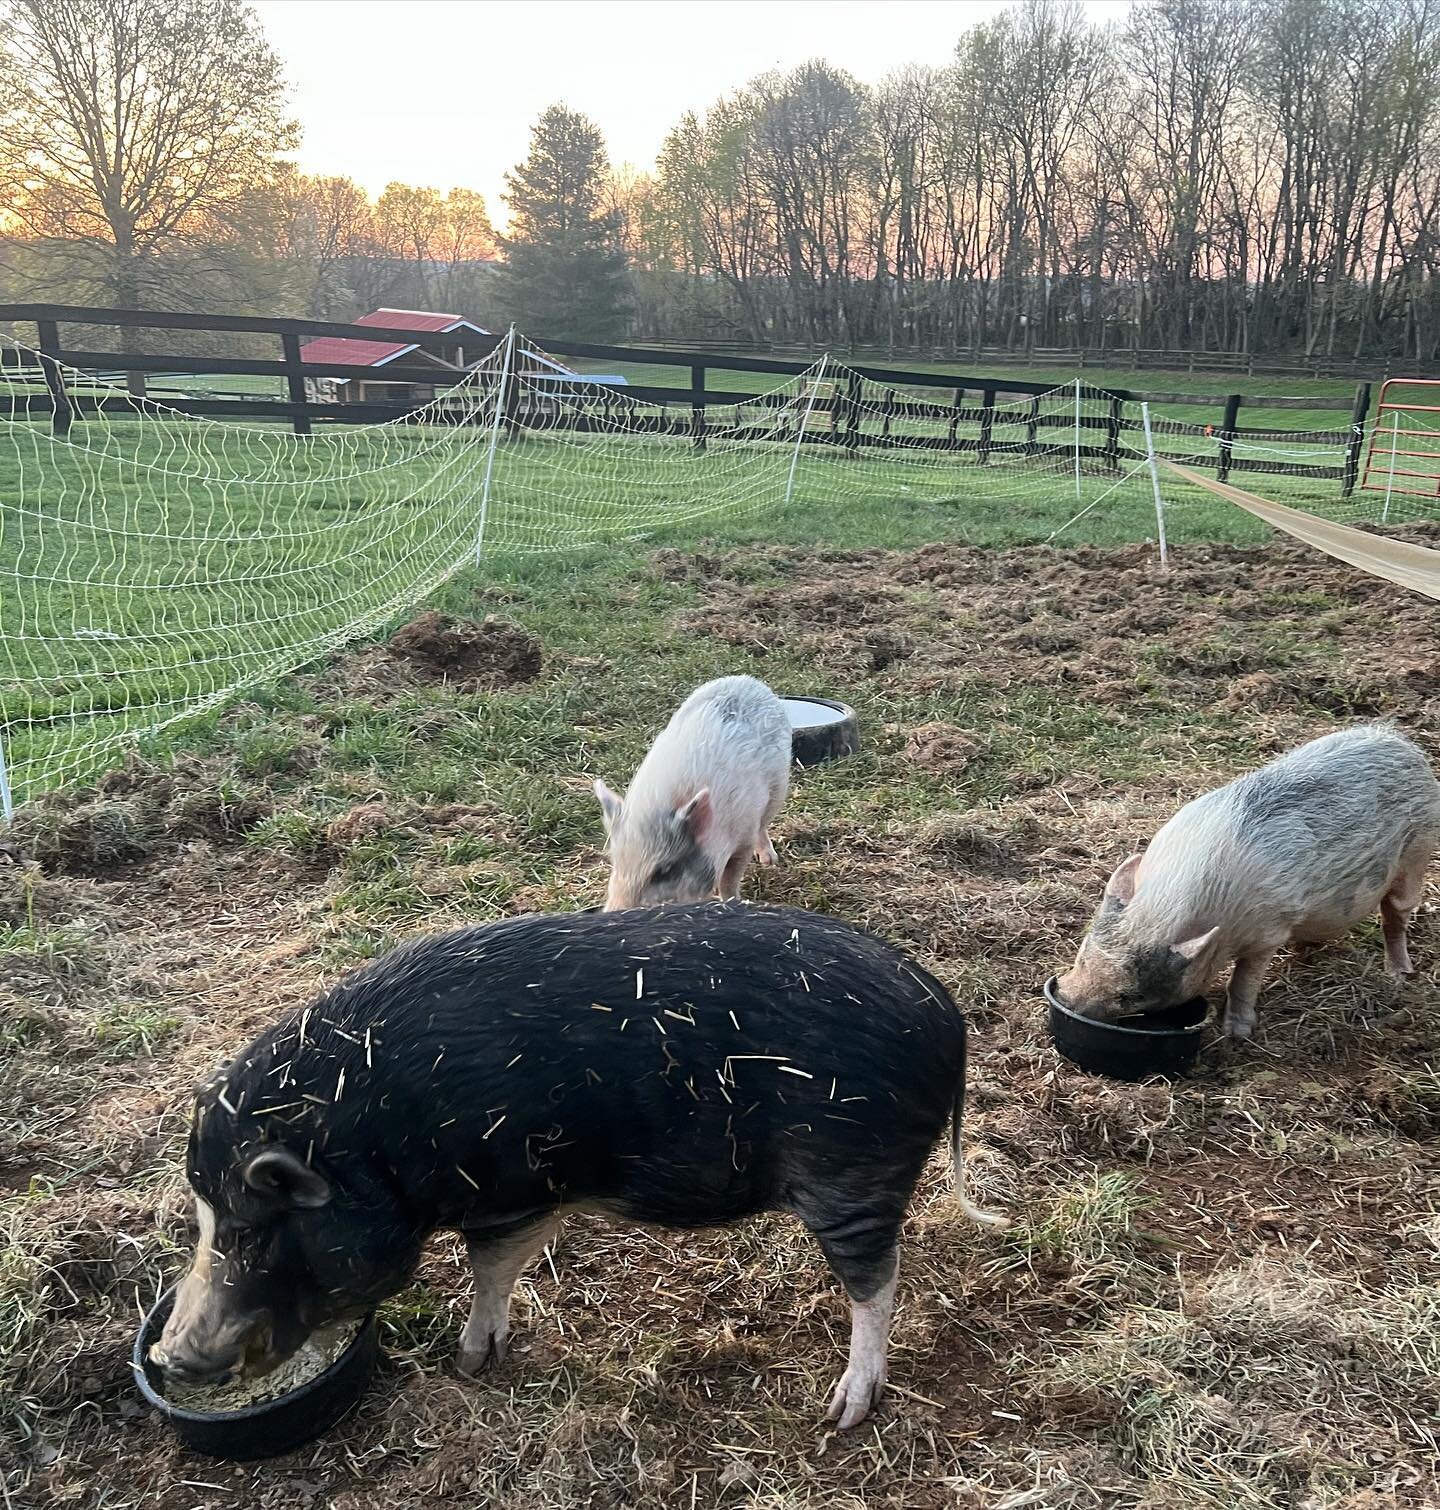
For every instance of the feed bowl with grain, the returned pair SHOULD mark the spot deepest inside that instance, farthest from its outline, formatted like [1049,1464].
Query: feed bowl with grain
[1131,1048]
[243,1419]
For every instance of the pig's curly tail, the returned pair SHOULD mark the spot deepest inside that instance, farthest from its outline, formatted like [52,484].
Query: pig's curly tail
[957,1153]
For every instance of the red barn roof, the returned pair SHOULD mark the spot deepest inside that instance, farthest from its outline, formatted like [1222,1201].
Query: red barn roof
[352,352]
[341,351]
[419,319]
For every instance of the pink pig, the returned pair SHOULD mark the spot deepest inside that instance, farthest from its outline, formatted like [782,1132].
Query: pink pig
[701,804]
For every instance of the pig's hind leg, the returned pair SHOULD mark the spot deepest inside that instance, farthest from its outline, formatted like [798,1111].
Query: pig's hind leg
[497,1258]
[863,1381]
[1396,909]
[764,846]
[862,1246]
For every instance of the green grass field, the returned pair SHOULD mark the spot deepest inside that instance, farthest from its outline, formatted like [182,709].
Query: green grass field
[159,567]
[1341,391]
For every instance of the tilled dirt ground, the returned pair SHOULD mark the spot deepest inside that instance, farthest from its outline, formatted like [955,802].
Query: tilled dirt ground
[1221,1292]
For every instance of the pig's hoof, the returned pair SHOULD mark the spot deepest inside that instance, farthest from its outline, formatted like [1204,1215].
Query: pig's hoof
[1239,1027]
[489,1352]
[856,1392]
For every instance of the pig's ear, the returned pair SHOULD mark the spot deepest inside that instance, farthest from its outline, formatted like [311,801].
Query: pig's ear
[286,1178]
[1191,949]
[696,814]
[1120,888]
[609,803]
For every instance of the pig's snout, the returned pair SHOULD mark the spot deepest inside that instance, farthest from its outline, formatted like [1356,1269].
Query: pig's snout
[210,1333]
[213,1357]
[203,1354]
[188,1368]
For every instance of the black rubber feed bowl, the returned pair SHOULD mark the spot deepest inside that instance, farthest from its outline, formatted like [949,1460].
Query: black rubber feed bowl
[1157,1043]
[271,1427]
[821,729]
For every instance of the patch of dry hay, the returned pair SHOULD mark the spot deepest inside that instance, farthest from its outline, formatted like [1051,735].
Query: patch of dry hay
[1271,1382]
[132,813]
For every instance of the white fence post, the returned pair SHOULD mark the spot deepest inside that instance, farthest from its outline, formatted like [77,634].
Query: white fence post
[494,440]
[7,801]
[1077,438]
[1155,485]
[804,426]
[1390,477]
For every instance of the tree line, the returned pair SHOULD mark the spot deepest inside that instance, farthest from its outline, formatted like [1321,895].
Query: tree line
[1256,176]
[1226,175]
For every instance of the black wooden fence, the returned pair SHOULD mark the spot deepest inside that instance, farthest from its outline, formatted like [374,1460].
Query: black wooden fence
[1158,359]
[969,400]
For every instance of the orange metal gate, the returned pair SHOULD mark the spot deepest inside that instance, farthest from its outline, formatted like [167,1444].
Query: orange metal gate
[1404,451]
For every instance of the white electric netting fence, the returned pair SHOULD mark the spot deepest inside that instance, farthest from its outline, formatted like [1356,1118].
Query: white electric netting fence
[581,462]
[153,564]
[1057,455]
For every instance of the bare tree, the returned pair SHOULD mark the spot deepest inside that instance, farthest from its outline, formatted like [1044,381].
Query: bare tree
[709,190]
[463,239]
[329,229]
[1233,175]
[129,128]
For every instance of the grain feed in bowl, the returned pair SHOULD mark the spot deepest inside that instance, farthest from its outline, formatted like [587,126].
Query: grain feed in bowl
[315,1355]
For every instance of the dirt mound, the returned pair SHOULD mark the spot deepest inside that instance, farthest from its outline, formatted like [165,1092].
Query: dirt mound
[943,747]
[131,813]
[367,820]
[370,820]
[473,656]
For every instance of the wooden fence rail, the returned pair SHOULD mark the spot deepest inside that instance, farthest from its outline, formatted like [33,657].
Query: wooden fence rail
[1159,359]
[693,402]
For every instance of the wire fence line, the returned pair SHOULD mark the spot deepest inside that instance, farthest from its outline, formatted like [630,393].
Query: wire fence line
[154,564]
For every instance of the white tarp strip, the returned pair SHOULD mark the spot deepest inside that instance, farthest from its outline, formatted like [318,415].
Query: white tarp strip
[1414,566]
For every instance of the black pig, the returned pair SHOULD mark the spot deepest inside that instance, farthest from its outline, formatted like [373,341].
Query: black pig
[683,1065]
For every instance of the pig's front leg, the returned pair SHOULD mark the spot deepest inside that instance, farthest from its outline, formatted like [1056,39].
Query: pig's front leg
[1244,990]
[496,1262]
[733,876]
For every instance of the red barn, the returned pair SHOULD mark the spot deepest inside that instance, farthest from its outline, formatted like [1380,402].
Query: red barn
[450,365]
[352,352]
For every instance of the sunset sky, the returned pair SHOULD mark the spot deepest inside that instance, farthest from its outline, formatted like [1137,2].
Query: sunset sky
[443,92]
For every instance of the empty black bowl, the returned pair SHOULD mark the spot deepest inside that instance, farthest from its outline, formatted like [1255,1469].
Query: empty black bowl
[269,1427]
[1155,1043]
[821,729]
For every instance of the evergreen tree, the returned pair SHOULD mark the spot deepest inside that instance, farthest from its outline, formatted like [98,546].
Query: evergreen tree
[565,271]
